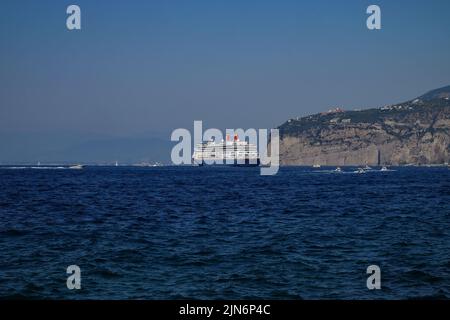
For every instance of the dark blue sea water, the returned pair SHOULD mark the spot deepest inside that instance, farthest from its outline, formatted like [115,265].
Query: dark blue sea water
[224,233]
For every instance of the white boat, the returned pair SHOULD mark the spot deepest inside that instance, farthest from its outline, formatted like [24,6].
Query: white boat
[316,166]
[338,169]
[384,169]
[77,166]
[360,171]
[367,167]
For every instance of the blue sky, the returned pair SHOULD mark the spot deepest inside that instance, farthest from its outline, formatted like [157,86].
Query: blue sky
[142,68]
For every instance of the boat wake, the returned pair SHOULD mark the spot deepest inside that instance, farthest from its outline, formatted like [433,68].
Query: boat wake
[353,171]
[37,168]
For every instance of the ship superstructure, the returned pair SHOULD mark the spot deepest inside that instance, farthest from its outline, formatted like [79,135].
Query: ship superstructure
[228,152]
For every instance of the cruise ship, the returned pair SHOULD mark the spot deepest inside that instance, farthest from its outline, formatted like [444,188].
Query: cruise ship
[229,152]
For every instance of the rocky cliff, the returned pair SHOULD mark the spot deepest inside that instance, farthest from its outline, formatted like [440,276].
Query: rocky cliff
[413,132]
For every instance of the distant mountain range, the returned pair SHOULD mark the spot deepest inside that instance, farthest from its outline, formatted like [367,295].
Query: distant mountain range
[412,132]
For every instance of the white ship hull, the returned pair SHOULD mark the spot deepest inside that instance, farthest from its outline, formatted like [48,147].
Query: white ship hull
[233,163]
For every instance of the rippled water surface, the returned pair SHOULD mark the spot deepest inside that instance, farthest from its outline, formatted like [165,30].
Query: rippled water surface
[224,233]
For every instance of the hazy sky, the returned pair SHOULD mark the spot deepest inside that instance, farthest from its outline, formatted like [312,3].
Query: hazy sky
[148,67]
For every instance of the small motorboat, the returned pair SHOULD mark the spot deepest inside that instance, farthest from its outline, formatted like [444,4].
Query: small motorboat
[77,166]
[316,166]
[360,170]
[384,169]
[338,169]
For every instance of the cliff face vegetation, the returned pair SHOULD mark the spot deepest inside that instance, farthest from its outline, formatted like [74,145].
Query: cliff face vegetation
[413,132]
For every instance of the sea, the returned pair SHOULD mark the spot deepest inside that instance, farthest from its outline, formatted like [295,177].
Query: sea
[224,233]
